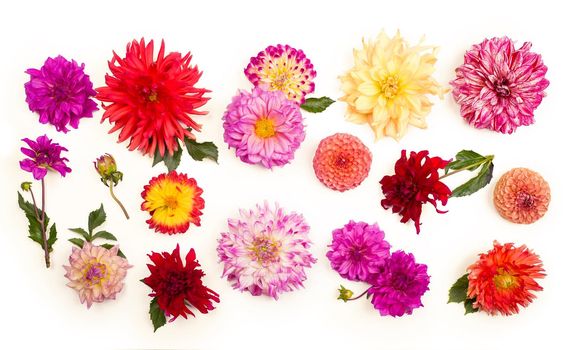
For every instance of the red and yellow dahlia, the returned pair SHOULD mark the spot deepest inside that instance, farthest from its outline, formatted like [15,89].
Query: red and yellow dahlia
[151,100]
[504,278]
[173,201]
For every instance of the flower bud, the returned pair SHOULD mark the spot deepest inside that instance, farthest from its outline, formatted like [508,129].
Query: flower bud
[344,294]
[26,186]
[105,165]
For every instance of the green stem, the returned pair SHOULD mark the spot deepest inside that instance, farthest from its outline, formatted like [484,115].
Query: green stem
[42,223]
[470,166]
[117,200]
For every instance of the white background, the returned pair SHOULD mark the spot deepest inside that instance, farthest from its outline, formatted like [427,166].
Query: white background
[38,310]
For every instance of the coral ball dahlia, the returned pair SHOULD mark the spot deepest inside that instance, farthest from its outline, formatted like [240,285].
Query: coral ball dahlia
[498,87]
[342,162]
[151,101]
[504,279]
[266,251]
[173,201]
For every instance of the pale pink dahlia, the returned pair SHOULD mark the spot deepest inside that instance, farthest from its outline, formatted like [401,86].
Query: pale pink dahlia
[266,251]
[283,68]
[96,273]
[264,127]
[499,86]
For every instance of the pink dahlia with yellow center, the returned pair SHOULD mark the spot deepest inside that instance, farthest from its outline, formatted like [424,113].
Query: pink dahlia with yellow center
[96,273]
[283,68]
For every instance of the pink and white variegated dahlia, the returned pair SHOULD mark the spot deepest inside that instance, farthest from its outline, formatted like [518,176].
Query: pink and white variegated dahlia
[498,87]
[266,251]
[96,273]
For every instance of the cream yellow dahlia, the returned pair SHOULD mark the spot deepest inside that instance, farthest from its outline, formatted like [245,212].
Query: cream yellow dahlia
[388,85]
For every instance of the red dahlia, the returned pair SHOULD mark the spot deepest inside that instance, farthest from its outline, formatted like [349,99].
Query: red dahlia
[415,182]
[177,285]
[151,101]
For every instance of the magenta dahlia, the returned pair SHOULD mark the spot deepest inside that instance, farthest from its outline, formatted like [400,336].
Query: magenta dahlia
[498,87]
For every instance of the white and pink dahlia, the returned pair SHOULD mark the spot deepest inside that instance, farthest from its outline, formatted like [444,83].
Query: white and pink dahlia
[498,87]
[96,273]
[266,251]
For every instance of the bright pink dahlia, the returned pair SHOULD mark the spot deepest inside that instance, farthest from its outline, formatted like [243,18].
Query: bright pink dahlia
[266,251]
[96,273]
[498,86]
[283,68]
[43,155]
[264,127]
[61,93]
[399,287]
[358,251]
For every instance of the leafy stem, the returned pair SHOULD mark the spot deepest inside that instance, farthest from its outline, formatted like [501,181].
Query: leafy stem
[42,221]
[470,160]
[470,167]
[117,200]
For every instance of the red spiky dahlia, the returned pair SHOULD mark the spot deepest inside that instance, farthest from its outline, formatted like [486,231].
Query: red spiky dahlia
[151,100]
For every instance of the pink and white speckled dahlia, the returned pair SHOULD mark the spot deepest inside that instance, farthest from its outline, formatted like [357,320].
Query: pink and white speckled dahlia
[264,127]
[499,86]
[266,251]
[96,273]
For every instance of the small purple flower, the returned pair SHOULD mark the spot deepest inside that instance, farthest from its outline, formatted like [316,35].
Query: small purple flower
[61,93]
[398,288]
[44,155]
[358,251]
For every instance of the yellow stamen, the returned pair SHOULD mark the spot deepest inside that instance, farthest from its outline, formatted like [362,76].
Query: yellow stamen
[504,280]
[265,128]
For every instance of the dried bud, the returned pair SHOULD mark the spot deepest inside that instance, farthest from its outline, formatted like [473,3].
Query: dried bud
[344,294]
[26,186]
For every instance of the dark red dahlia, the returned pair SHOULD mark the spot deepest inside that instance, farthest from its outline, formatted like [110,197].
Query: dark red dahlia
[150,100]
[177,285]
[415,182]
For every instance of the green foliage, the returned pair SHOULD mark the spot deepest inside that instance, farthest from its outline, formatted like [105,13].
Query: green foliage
[171,161]
[34,225]
[317,105]
[200,150]
[470,160]
[157,316]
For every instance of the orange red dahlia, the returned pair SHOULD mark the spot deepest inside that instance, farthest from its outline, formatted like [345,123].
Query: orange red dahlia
[174,201]
[150,100]
[504,279]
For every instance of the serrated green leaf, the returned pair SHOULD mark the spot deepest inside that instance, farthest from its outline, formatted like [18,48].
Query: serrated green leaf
[458,292]
[466,160]
[157,157]
[77,241]
[317,105]
[475,184]
[200,150]
[171,161]
[52,238]
[35,230]
[96,218]
[26,206]
[157,315]
[468,304]
[105,235]
[109,246]
[34,226]
[82,232]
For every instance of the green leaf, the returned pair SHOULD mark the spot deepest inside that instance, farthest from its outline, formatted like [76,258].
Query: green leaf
[109,246]
[171,161]
[467,160]
[52,237]
[105,235]
[26,206]
[458,292]
[96,218]
[468,304]
[157,157]
[200,150]
[317,105]
[157,316]
[475,184]
[34,226]
[77,241]
[35,230]
[82,232]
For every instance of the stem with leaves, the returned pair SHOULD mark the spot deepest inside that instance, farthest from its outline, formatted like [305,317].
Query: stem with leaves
[41,220]
[469,160]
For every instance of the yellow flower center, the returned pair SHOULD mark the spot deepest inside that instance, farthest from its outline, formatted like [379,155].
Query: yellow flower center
[171,202]
[279,81]
[265,128]
[265,250]
[153,96]
[94,272]
[504,280]
[389,86]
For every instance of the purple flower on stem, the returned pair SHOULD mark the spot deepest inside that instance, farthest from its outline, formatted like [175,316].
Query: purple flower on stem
[358,251]
[44,155]
[398,288]
[61,93]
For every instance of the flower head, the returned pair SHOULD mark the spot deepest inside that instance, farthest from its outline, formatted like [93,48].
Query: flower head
[61,93]
[106,167]
[342,162]
[498,87]
[415,182]
[266,251]
[43,155]
[358,251]
[96,273]
[283,68]
[173,201]
[388,85]
[177,284]
[504,278]
[151,100]
[400,285]
[522,196]
[264,127]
